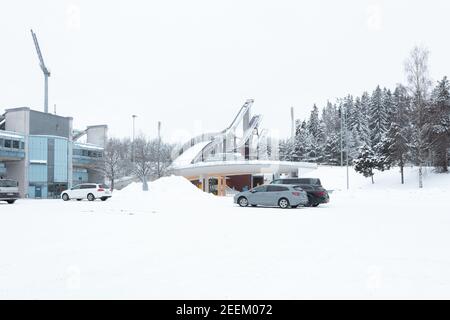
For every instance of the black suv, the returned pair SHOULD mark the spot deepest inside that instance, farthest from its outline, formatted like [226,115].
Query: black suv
[313,187]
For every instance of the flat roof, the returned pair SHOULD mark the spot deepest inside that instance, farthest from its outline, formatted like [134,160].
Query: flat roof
[37,111]
[239,167]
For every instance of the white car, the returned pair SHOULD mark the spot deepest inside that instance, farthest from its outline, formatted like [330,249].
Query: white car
[90,191]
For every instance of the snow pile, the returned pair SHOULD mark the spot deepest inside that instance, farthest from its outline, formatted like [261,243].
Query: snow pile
[166,191]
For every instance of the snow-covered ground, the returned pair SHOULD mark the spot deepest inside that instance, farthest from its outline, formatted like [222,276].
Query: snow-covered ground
[175,242]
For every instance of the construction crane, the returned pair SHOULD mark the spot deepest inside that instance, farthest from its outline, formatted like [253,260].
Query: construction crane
[44,70]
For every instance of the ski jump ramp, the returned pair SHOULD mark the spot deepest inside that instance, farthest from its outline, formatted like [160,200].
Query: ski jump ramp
[232,151]
[226,142]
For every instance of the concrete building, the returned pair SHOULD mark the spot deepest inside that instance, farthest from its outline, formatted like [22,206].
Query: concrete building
[43,152]
[235,158]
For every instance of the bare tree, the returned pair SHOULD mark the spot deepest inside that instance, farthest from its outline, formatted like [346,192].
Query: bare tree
[162,157]
[143,155]
[416,69]
[115,159]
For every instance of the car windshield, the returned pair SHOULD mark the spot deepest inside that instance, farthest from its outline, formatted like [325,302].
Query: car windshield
[312,181]
[8,184]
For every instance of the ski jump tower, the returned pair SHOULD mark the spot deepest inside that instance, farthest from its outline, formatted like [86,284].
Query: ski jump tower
[232,157]
[232,143]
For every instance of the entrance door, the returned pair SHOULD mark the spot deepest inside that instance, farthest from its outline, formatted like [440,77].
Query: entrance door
[38,192]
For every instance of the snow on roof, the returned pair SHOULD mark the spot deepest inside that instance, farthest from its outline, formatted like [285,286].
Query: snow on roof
[10,134]
[38,161]
[88,146]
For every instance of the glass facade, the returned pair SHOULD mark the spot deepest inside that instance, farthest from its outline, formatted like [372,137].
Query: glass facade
[11,147]
[80,176]
[61,160]
[48,166]
[2,169]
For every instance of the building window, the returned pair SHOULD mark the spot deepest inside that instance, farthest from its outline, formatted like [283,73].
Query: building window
[16,144]
[7,143]
[22,145]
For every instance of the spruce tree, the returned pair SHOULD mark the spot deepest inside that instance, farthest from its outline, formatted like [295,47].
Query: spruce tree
[377,117]
[364,131]
[439,122]
[366,162]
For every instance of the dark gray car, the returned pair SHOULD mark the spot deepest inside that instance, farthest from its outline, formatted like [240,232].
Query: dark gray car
[283,196]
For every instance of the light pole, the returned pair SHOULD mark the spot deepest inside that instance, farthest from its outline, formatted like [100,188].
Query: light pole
[134,137]
[159,149]
[346,145]
[344,135]
[341,116]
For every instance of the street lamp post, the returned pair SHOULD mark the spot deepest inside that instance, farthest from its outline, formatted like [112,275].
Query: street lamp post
[134,137]
[159,149]
[346,146]
[344,136]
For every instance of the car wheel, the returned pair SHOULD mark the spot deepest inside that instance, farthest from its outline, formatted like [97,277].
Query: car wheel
[11,201]
[65,197]
[90,197]
[309,204]
[243,202]
[283,203]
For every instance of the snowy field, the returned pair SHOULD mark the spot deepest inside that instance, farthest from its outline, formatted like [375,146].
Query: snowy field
[175,242]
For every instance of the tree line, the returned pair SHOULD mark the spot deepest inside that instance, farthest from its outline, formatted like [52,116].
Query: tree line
[143,159]
[409,125]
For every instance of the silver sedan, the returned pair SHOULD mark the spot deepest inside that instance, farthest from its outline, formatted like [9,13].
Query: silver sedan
[283,196]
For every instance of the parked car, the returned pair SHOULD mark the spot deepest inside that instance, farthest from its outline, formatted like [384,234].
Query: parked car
[298,181]
[90,191]
[9,190]
[313,187]
[283,196]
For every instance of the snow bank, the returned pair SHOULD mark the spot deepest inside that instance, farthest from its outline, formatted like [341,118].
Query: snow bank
[172,184]
[335,178]
[166,191]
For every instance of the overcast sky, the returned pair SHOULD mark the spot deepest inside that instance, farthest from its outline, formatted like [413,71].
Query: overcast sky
[192,64]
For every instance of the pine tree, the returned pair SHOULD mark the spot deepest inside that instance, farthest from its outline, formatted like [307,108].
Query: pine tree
[364,130]
[304,144]
[366,162]
[313,136]
[313,123]
[439,122]
[355,120]
[382,154]
[331,151]
[388,107]
[377,117]
[400,129]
